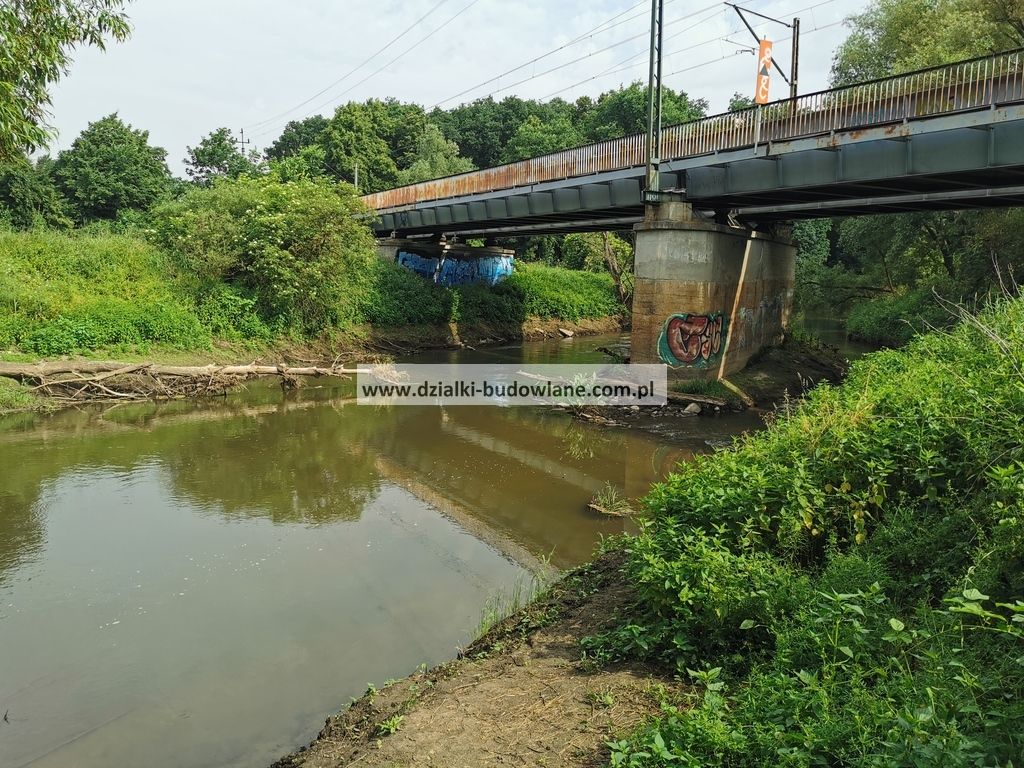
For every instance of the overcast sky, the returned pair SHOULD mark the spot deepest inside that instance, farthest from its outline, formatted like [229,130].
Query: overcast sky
[191,66]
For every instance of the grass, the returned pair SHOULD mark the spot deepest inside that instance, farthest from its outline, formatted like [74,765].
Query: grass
[15,397]
[705,387]
[610,501]
[102,294]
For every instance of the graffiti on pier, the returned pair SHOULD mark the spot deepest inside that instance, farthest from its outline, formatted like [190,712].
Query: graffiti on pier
[758,327]
[693,340]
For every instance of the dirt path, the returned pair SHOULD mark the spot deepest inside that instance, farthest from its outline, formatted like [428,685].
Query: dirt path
[518,697]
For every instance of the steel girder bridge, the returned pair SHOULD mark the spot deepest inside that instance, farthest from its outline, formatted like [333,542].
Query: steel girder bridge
[948,137]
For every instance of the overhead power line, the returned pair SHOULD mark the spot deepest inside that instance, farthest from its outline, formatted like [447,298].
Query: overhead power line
[640,57]
[335,99]
[352,71]
[604,26]
[586,56]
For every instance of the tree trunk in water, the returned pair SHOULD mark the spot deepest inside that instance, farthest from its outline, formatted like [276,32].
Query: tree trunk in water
[80,381]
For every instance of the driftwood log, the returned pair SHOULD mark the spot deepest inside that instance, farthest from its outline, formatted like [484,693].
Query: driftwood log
[82,381]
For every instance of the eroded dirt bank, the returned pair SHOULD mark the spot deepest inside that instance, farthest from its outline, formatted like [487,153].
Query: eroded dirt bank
[519,696]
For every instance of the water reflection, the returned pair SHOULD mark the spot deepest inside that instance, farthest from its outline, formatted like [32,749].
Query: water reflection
[196,584]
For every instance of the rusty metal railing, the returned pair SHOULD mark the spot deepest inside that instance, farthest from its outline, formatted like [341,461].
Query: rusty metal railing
[965,85]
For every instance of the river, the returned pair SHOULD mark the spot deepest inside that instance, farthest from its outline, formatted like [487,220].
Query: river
[201,584]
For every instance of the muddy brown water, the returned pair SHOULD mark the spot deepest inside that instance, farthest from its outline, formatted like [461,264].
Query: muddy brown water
[201,584]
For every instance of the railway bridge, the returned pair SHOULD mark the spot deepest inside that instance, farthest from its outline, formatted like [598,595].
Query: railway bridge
[714,265]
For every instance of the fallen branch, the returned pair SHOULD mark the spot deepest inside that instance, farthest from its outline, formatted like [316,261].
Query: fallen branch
[85,380]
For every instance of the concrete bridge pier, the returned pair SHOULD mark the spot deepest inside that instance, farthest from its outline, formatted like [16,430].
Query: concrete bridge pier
[707,296]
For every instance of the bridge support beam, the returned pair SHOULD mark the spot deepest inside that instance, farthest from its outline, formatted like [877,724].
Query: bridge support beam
[707,297]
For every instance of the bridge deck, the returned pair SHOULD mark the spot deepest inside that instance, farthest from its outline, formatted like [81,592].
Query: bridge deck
[719,161]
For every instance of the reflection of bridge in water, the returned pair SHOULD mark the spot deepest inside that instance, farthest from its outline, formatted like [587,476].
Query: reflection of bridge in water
[519,479]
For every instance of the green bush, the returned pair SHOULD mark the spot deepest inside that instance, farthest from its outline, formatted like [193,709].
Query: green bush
[895,320]
[563,293]
[396,296]
[230,315]
[297,248]
[847,587]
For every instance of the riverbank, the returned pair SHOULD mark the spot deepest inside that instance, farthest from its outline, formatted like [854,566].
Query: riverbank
[519,695]
[843,588]
[362,343]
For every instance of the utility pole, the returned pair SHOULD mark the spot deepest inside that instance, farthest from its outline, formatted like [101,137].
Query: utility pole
[794,64]
[795,61]
[241,142]
[654,100]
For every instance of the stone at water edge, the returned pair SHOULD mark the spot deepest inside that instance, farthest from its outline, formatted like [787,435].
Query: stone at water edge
[566,333]
[692,408]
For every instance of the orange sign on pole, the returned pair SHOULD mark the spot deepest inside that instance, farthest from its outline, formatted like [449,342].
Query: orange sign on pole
[764,68]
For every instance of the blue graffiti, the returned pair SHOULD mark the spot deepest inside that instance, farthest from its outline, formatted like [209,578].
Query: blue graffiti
[481,270]
[424,267]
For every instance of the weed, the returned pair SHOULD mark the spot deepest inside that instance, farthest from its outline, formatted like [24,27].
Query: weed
[390,725]
[609,501]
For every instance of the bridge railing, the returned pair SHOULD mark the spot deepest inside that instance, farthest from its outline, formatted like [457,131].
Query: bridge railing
[966,85]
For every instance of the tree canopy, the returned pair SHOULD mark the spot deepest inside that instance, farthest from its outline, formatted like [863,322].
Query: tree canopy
[218,156]
[37,38]
[893,36]
[434,157]
[109,168]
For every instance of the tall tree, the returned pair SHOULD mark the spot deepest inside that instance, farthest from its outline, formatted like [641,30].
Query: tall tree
[434,157]
[109,168]
[537,137]
[893,36]
[36,40]
[297,135]
[28,196]
[623,111]
[352,145]
[219,156]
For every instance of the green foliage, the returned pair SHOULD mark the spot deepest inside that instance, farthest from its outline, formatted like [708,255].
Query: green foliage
[390,725]
[894,320]
[295,248]
[585,250]
[847,588]
[538,137]
[109,168]
[66,294]
[396,296]
[811,237]
[29,198]
[218,156]
[567,294]
[623,111]
[959,255]
[434,157]
[893,36]
[298,135]
[378,137]
[38,37]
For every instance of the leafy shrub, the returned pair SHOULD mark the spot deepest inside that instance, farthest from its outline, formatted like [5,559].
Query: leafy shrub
[298,247]
[895,320]
[230,315]
[847,587]
[563,293]
[397,296]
